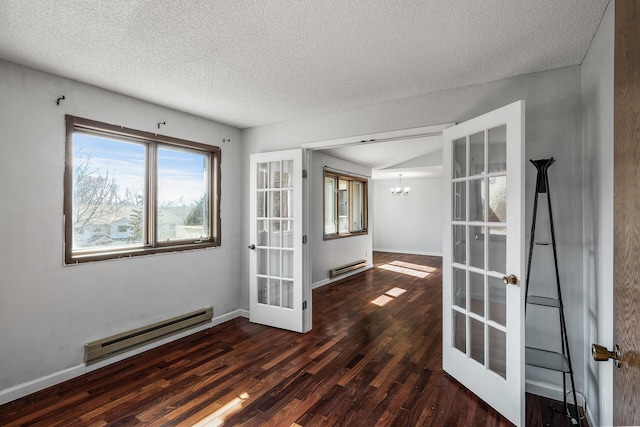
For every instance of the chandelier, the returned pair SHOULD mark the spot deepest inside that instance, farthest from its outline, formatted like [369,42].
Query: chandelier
[396,191]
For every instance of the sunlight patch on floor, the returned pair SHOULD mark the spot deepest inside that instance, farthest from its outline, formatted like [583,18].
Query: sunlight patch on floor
[414,266]
[396,292]
[217,418]
[390,295]
[382,300]
[408,268]
[404,270]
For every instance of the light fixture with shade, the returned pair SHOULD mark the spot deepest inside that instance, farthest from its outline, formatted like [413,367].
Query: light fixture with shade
[396,191]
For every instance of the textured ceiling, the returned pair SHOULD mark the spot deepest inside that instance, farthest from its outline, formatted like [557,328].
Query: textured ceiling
[248,63]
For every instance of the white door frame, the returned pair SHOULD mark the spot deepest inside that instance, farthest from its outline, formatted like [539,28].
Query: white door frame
[360,140]
[307,155]
[372,138]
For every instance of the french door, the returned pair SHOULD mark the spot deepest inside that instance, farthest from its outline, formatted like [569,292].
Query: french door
[483,257]
[276,259]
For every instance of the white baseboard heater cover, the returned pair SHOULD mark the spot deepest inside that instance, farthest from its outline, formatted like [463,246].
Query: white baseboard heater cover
[116,344]
[347,268]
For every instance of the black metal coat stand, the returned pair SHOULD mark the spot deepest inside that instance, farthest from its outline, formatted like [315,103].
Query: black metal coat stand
[542,358]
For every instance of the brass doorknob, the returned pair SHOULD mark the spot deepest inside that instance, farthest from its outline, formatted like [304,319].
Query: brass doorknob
[601,354]
[511,279]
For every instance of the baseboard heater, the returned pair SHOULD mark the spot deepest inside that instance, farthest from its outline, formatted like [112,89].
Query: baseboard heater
[347,268]
[116,344]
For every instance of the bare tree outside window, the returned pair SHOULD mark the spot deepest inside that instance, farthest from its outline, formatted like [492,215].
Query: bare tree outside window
[95,196]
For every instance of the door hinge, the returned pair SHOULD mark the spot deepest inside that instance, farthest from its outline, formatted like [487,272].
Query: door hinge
[304,305]
[304,240]
[304,173]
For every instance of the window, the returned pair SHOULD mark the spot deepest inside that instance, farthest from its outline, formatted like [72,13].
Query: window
[130,193]
[345,205]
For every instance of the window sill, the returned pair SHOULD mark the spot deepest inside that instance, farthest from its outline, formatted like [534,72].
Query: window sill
[114,255]
[340,236]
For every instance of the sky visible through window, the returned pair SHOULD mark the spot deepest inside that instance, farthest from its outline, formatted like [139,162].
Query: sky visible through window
[181,175]
[182,172]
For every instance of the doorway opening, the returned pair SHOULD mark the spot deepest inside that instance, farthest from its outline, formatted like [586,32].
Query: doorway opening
[416,153]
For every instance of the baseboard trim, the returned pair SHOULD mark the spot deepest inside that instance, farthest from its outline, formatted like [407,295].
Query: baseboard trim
[589,415]
[544,389]
[400,251]
[25,389]
[555,392]
[326,282]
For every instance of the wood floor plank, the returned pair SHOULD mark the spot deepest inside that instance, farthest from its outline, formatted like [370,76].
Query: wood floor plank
[373,357]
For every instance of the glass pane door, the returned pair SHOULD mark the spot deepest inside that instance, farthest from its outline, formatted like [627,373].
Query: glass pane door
[274,225]
[483,319]
[276,266]
[478,216]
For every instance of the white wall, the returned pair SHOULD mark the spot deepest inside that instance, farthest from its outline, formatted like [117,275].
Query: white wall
[49,311]
[553,129]
[408,224]
[327,254]
[597,129]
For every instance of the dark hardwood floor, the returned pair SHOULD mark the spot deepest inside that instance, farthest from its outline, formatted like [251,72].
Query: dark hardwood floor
[365,363]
